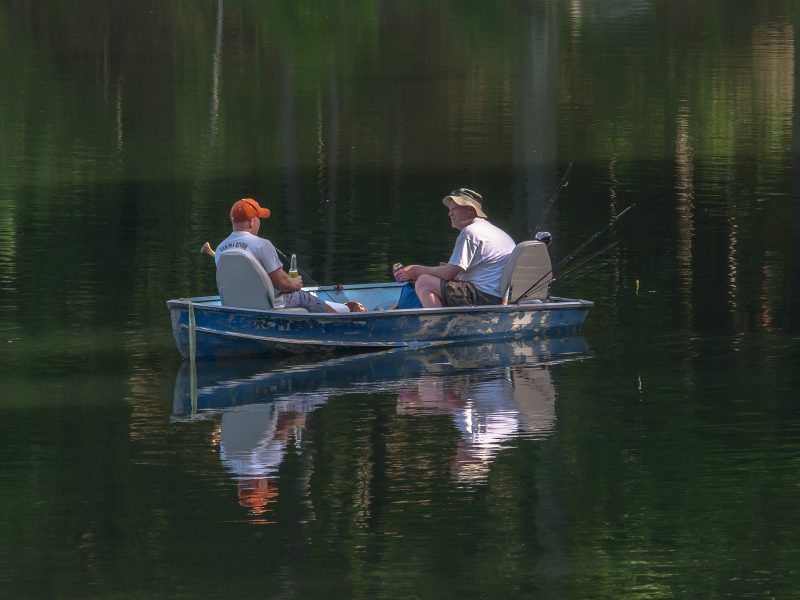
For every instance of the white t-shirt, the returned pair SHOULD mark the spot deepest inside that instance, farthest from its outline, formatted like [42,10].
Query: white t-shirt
[482,250]
[262,249]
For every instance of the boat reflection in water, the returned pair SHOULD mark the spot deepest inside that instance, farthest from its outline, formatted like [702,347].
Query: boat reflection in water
[489,410]
[494,392]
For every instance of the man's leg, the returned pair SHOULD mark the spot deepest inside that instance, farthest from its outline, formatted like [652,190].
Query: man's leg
[337,307]
[429,290]
[302,299]
[464,293]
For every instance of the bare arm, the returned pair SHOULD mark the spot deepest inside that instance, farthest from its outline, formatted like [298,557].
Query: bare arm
[446,272]
[282,282]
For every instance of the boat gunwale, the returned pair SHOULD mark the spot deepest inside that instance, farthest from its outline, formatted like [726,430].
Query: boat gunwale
[201,302]
[562,304]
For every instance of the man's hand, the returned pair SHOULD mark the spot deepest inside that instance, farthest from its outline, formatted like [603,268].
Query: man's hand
[411,272]
[283,283]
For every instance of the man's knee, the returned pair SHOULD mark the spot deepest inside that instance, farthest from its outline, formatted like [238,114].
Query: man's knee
[429,283]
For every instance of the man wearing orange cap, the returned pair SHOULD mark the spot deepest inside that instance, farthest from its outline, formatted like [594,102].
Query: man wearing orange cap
[246,217]
[472,275]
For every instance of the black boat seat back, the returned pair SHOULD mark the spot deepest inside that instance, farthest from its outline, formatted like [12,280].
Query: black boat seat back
[528,263]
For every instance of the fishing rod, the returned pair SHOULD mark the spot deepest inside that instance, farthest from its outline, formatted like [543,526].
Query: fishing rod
[585,271]
[566,272]
[593,238]
[572,254]
[585,259]
[562,184]
[304,274]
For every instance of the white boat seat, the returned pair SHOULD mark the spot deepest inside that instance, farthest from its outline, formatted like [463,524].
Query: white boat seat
[528,263]
[243,283]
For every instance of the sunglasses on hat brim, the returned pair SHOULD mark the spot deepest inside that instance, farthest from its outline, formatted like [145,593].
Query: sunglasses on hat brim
[466,192]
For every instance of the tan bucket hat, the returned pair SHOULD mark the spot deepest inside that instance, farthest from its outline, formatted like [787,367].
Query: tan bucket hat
[465,197]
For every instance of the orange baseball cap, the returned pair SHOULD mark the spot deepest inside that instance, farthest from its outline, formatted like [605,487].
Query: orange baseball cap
[246,209]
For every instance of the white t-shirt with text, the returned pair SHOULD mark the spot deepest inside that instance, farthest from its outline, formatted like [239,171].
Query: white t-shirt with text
[482,250]
[262,249]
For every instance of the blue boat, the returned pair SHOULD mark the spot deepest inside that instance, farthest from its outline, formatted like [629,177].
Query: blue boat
[244,320]
[224,331]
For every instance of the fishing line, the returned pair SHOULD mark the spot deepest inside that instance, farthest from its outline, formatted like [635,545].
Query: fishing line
[572,277]
[583,260]
[572,254]
[565,273]
[559,276]
[562,184]
[306,275]
[593,238]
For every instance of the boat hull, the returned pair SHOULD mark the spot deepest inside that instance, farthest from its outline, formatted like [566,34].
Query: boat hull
[222,331]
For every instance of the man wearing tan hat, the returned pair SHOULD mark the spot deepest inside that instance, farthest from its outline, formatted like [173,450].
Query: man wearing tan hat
[246,217]
[472,275]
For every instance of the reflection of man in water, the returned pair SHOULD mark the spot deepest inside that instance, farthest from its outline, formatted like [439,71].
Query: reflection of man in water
[253,442]
[258,491]
[488,411]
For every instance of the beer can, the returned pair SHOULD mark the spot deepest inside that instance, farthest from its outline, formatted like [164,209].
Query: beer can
[395,268]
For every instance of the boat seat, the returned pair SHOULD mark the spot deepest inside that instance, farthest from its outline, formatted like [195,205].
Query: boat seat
[243,283]
[528,263]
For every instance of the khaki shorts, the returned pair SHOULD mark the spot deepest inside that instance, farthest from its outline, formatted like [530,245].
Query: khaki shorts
[464,293]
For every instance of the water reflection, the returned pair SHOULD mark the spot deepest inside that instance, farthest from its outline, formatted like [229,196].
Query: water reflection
[216,77]
[489,410]
[223,384]
[290,178]
[685,191]
[492,394]
[328,191]
[253,441]
[534,88]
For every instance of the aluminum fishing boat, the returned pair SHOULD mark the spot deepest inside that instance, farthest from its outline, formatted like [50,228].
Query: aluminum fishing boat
[243,320]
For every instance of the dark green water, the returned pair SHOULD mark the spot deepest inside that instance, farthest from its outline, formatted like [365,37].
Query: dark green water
[663,463]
